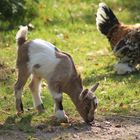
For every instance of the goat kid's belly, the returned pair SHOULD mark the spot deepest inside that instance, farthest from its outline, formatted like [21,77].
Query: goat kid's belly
[42,65]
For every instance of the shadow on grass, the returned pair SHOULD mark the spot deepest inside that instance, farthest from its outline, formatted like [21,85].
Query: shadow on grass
[112,76]
[18,123]
[23,124]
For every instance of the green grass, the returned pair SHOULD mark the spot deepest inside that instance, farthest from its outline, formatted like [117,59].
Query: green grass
[70,25]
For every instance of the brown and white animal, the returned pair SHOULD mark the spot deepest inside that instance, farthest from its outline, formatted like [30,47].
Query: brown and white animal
[124,39]
[41,59]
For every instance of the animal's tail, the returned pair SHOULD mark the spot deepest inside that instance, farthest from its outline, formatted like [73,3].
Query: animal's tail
[21,35]
[105,19]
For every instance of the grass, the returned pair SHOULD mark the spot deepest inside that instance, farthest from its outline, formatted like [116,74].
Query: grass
[70,25]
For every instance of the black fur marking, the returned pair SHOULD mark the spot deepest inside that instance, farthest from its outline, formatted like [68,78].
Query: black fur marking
[109,22]
[19,105]
[125,50]
[56,49]
[60,105]
[42,106]
[37,66]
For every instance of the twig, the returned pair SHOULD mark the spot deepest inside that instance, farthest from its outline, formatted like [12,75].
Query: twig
[72,20]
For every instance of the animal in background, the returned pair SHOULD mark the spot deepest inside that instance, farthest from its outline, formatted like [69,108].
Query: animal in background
[124,39]
[43,60]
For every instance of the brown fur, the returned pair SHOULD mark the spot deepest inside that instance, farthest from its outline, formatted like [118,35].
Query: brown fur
[62,72]
[22,54]
[21,41]
[117,33]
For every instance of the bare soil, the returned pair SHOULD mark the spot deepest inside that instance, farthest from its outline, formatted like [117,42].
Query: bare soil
[105,128]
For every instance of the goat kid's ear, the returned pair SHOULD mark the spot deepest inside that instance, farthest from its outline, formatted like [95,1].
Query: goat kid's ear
[83,94]
[93,89]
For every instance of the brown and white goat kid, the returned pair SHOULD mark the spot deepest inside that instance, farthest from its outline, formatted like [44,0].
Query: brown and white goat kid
[41,59]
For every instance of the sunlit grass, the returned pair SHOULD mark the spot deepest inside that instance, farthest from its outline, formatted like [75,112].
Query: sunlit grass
[70,25]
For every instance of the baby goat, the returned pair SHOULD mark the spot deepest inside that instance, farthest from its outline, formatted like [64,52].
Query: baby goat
[41,59]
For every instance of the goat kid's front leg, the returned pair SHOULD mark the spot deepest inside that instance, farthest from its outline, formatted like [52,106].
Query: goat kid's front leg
[35,87]
[60,113]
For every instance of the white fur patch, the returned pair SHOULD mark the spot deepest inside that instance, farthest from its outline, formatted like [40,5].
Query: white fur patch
[22,32]
[42,53]
[123,68]
[102,5]
[60,115]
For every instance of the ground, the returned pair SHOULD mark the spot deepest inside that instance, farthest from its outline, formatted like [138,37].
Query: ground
[104,128]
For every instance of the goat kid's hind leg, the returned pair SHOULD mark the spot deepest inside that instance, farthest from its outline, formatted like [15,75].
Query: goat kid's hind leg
[35,87]
[59,112]
[18,88]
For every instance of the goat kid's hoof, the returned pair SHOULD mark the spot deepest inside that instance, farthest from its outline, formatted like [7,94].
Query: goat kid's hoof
[64,120]
[61,116]
[40,108]
[19,113]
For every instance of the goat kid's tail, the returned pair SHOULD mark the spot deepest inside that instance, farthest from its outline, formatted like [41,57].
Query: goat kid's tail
[21,35]
[105,19]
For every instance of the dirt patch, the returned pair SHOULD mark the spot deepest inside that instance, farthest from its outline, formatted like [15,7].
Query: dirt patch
[105,128]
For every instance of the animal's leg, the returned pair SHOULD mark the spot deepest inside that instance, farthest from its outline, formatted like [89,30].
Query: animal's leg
[58,106]
[23,75]
[35,87]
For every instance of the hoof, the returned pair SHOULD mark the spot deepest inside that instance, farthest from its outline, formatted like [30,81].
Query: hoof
[40,108]
[64,120]
[19,113]
[19,106]
[61,116]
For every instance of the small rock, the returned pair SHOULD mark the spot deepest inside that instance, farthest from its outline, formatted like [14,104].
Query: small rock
[118,125]
[75,136]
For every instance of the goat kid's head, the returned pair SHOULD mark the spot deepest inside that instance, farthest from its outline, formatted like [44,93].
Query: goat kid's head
[89,102]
